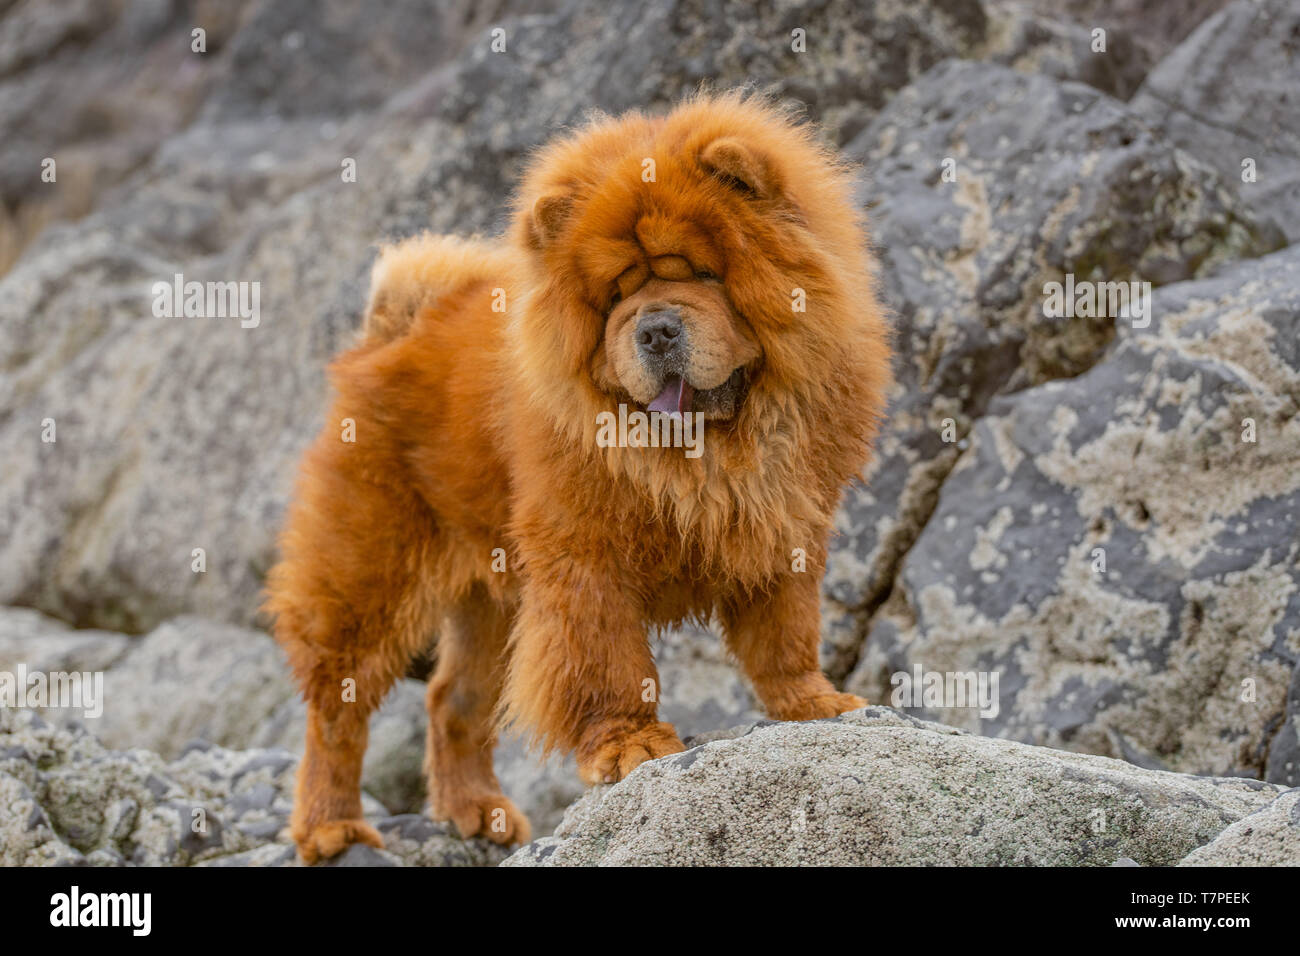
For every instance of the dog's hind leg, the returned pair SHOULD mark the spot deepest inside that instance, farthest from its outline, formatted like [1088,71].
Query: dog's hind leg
[352,605]
[327,815]
[462,703]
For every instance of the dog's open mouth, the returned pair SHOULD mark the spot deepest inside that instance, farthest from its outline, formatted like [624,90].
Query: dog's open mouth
[678,396]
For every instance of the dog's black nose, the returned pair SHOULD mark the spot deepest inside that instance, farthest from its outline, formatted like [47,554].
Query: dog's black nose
[658,333]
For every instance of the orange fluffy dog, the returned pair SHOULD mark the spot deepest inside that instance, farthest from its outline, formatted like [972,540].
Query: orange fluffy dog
[709,263]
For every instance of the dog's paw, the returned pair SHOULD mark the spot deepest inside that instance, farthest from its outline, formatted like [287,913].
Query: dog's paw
[332,837]
[489,815]
[623,753]
[821,706]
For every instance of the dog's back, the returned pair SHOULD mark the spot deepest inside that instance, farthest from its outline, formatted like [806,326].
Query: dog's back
[418,272]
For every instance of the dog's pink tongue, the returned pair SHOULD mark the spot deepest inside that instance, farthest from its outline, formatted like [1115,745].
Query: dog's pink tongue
[676,397]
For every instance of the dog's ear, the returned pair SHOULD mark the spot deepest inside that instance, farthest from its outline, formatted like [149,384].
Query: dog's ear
[740,167]
[550,213]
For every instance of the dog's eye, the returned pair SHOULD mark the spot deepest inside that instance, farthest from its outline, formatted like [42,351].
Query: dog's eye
[704,274]
[615,299]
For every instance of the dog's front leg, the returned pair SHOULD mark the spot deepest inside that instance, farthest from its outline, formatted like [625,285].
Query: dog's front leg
[776,635]
[581,673]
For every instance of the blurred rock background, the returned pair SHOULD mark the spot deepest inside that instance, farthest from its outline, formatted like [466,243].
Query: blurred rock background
[975,553]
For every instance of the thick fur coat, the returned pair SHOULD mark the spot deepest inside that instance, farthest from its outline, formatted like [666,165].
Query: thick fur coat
[710,262]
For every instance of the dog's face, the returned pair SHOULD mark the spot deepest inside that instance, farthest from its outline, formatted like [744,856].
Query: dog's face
[650,264]
[674,343]
[705,262]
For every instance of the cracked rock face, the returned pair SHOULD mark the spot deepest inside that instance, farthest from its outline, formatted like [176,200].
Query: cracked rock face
[1123,548]
[877,788]
[1218,96]
[1046,178]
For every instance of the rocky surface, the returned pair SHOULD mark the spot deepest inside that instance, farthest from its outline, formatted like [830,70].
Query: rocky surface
[1045,178]
[1218,96]
[1120,554]
[67,800]
[1154,26]
[872,787]
[1034,42]
[875,788]
[43,644]
[137,83]
[1017,449]
[1268,837]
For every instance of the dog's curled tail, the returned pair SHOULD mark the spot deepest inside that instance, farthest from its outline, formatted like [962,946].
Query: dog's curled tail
[419,272]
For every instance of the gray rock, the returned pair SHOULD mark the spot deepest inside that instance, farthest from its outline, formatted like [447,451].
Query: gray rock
[191,679]
[270,854]
[47,645]
[418,841]
[65,799]
[1268,837]
[1156,26]
[361,855]
[877,788]
[137,82]
[1182,649]
[1027,40]
[1051,179]
[1284,753]
[1228,94]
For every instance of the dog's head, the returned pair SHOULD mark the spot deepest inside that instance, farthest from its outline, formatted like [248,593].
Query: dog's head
[707,261]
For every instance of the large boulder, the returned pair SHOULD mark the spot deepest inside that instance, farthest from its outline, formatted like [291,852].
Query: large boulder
[192,679]
[100,88]
[1228,96]
[1155,26]
[874,788]
[1122,549]
[984,186]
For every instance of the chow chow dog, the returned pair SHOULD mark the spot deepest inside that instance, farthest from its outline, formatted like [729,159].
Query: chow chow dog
[708,265]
